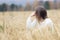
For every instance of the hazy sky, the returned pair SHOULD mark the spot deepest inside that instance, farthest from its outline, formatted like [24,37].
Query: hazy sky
[15,1]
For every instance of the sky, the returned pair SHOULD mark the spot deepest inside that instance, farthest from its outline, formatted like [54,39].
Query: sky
[18,2]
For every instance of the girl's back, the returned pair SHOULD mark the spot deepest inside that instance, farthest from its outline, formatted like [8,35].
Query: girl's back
[42,27]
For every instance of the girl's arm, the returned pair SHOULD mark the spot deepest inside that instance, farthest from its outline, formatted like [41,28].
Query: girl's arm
[30,24]
[52,27]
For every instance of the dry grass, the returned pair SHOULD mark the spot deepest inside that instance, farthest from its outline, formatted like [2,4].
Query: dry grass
[15,25]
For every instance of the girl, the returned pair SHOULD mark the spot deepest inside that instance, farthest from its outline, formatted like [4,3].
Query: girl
[40,17]
[41,23]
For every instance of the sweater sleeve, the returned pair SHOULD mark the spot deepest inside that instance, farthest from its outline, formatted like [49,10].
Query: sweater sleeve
[29,23]
[51,26]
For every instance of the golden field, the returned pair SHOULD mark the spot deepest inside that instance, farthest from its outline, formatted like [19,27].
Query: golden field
[14,25]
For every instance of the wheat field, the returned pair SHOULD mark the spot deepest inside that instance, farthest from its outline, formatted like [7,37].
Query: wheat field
[13,25]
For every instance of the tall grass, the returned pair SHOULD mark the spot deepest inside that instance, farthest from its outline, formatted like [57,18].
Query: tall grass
[15,26]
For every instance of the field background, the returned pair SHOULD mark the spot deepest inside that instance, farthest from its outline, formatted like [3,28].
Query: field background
[13,24]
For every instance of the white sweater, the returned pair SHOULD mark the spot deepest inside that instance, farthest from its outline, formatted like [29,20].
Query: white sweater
[46,23]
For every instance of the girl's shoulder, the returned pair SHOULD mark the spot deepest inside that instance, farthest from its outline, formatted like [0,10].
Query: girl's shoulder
[48,21]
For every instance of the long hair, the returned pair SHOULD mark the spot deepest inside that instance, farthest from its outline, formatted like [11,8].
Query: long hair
[41,13]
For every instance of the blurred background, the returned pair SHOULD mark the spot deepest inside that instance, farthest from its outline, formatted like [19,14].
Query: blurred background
[28,5]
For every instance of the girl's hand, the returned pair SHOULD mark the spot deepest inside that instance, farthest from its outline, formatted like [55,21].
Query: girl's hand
[33,14]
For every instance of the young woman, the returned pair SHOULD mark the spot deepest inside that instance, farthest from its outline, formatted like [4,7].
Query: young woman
[41,23]
[41,19]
